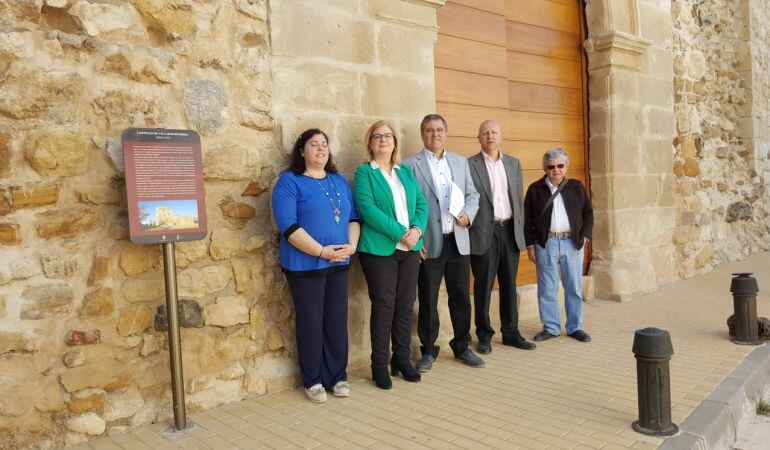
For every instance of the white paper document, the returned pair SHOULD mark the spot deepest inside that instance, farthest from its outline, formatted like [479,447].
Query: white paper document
[456,200]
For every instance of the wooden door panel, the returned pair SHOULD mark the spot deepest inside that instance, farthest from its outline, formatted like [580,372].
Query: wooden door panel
[546,99]
[524,38]
[544,70]
[470,56]
[544,14]
[529,153]
[470,23]
[453,86]
[493,6]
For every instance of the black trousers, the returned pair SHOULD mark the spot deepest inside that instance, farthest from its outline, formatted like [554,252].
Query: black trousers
[501,261]
[321,317]
[392,282]
[456,268]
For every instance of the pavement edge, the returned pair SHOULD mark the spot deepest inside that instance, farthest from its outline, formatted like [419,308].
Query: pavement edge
[714,423]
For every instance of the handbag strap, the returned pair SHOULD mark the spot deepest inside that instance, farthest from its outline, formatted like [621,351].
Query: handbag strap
[558,190]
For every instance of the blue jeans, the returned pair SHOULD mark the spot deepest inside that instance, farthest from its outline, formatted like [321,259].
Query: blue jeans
[560,252]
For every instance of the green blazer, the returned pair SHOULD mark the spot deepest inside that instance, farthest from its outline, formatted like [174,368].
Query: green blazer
[380,231]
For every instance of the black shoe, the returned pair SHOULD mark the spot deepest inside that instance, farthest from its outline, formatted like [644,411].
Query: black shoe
[543,336]
[470,359]
[407,371]
[425,363]
[484,347]
[519,342]
[580,335]
[381,377]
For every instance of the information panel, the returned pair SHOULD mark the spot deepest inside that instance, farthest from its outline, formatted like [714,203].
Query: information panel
[164,184]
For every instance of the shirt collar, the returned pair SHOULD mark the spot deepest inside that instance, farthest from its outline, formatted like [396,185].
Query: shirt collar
[432,155]
[376,166]
[489,159]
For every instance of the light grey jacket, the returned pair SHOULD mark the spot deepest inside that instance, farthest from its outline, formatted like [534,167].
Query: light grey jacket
[433,237]
[481,231]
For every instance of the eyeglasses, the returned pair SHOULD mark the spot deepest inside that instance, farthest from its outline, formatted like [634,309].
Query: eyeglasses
[557,166]
[377,137]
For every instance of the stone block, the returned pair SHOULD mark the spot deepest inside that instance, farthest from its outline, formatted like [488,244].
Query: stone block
[254,189]
[345,38]
[45,300]
[236,213]
[274,338]
[123,109]
[104,193]
[3,305]
[256,9]
[97,18]
[138,259]
[6,155]
[90,376]
[83,337]
[627,119]
[656,93]
[189,312]
[22,269]
[16,44]
[615,153]
[419,15]
[189,252]
[10,234]
[134,319]
[392,95]
[225,243]
[49,399]
[220,392]
[100,267]
[656,24]
[321,86]
[257,119]
[635,191]
[196,283]
[15,341]
[5,201]
[59,265]
[691,167]
[242,273]
[660,62]
[235,161]
[392,40]
[67,223]
[256,242]
[34,194]
[31,93]
[205,103]
[122,404]
[170,17]
[146,65]
[660,122]
[656,155]
[143,289]
[80,405]
[74,358]
[88,423]
[151,343]
[227,311]
[58,153]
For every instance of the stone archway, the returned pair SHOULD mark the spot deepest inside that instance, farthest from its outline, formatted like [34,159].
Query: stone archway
[631,128]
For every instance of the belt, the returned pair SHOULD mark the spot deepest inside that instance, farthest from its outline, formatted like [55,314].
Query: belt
[502,222]
[560,234]
[449,236]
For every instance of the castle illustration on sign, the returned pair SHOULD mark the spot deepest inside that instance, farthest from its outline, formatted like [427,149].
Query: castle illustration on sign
[168,215]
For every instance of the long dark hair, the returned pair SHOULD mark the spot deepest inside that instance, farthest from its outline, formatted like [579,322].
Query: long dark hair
[297,162]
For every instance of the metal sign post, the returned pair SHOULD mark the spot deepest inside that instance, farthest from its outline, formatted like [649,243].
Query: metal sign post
[174,340]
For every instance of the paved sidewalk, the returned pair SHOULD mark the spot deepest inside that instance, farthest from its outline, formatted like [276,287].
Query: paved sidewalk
[565,394]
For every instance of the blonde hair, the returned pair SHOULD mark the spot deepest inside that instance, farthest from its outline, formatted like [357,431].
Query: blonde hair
[395,158]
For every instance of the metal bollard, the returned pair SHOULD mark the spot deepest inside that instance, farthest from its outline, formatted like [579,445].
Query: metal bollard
[744,288]
[652,349]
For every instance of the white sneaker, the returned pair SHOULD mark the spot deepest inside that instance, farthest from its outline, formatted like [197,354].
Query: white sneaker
[341,389]
[316,393]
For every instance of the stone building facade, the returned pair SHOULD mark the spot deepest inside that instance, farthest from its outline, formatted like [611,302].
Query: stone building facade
[679,137]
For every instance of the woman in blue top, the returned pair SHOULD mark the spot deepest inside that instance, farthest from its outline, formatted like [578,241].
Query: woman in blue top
[313,208]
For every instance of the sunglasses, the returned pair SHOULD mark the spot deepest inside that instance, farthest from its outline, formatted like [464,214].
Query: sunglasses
[559,166]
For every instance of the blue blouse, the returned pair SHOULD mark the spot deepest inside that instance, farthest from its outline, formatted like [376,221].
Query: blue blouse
[300,201]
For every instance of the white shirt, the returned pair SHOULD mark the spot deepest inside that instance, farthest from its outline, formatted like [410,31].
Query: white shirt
[442,181]
[559,219]
[501,202]
[399,197]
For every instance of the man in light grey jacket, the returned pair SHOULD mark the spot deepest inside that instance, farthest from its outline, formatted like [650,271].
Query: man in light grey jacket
[446,242]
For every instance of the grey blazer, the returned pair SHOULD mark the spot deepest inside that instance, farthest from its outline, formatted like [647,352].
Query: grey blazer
[481,231]
[433,238]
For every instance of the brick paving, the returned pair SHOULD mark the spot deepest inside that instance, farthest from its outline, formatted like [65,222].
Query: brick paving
[564,395]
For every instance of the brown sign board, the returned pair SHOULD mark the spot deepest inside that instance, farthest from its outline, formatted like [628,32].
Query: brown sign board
[164,185]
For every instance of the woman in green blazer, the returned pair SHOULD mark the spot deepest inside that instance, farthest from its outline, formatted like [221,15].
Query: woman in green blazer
[393,215]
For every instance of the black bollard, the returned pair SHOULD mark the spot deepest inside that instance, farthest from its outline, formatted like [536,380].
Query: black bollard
[652,349]
[744,288]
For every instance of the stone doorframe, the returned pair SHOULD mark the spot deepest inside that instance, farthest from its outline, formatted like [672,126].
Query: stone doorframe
[631,128]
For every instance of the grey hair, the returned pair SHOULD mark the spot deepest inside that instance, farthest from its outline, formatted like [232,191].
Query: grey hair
[431,117]
[554,154]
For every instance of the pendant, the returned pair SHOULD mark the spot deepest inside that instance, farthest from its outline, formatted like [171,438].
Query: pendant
[337,219]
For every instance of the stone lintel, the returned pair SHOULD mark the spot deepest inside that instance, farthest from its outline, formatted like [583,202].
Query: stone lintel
[617,49]
[404,15]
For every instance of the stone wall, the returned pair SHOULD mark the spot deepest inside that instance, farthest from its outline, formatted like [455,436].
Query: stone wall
[721,102]
[83,350]
[80,349]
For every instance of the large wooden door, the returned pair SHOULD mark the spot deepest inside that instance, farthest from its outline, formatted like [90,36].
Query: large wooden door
[519,62]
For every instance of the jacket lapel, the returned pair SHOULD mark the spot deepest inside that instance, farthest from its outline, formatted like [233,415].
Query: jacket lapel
[423,166]
[384,186]
[509,172]
[481,171]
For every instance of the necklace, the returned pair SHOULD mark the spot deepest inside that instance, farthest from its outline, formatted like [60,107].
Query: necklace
[335,209]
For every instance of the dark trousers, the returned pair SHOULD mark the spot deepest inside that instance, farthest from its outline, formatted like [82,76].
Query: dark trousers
[502,261]
[321,317]
[392,282]
[456,268]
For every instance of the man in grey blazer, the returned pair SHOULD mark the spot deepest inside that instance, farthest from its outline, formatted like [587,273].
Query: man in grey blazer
[497,237]
[446,242]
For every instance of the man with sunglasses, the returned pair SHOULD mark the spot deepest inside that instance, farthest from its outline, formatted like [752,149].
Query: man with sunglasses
[558,220]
